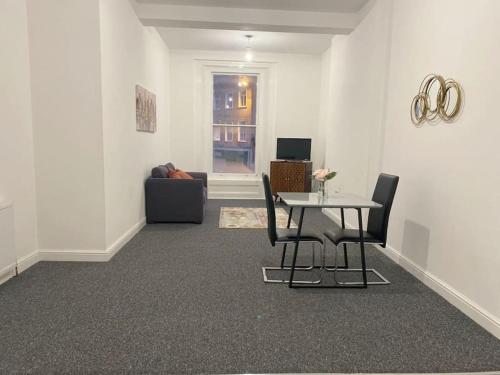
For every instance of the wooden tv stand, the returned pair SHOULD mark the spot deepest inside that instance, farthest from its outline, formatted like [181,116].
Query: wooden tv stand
[291,176]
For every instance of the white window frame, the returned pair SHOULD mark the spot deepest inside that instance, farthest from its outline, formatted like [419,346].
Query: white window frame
[265,99]
[240,92]
[229,136]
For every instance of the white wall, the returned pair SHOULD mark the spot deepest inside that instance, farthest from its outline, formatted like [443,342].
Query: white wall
[298,80]
[445,215]
[131,54]
[17,174]
[67,118]
[358,77]
[86,58]
[325,110]
[298,86]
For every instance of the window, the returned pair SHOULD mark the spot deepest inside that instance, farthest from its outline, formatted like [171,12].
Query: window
[234,150]
[229,101]
[217,131]
[242,134]
[229,134]
[242,98]
[218,102]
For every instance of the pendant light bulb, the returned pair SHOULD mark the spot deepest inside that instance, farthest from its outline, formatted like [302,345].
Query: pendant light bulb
[248,55]
[248,52]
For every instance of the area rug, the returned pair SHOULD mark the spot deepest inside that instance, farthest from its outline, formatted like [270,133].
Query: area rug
[251,217]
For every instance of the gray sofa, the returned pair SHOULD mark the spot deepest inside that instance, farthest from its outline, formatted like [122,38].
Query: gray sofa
[170,200]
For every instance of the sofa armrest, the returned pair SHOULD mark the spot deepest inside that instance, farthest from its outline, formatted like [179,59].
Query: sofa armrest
[200,176]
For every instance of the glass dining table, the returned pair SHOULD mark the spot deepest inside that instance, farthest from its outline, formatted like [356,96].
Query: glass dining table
[338,200]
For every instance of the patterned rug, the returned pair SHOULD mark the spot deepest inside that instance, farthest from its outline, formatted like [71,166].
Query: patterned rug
[245,217]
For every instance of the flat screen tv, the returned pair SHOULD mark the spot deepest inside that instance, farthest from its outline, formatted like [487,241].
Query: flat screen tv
[293,149]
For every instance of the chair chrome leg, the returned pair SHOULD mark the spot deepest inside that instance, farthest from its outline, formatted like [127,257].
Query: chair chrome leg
[383,281]
[300,268]
[283,281]
[297,268]
[335,266]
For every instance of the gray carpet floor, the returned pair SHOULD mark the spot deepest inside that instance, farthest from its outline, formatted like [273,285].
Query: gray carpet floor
[186,298]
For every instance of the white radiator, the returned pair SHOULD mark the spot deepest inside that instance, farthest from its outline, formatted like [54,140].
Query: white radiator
[7,243]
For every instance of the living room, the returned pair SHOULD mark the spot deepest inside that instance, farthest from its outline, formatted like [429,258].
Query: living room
[90,283]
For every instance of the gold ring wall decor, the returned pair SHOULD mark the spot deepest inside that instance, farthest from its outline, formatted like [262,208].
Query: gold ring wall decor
[422,106]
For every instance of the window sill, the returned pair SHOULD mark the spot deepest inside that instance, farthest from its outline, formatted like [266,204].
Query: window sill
[231,179]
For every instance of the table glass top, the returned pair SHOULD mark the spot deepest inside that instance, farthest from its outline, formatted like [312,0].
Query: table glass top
[338,200]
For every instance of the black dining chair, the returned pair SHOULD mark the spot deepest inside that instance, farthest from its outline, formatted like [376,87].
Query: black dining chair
[376,231]
[286,236]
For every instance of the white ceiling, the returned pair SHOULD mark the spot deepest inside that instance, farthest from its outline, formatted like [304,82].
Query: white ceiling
[281,26]
[234,40]
[341,6]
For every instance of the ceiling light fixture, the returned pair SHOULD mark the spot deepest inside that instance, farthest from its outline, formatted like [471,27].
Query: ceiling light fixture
[248,53]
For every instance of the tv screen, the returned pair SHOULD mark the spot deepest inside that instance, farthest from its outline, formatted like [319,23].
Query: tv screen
[293,148]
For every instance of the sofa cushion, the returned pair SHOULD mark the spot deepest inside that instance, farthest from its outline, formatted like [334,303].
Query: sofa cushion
[181,175]
[159,172]
[170,167]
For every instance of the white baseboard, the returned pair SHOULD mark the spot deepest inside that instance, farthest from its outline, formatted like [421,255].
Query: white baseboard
[485,319]
[453,296]
[92,255]
[331,214]
[25,262]
[234,195]
[126,237]
[7,273]
[59,255]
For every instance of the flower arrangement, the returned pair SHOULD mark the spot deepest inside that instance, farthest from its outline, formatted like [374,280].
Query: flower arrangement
[323,175]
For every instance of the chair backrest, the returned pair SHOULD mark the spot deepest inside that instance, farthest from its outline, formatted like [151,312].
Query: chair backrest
[378,218]
[271,214]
